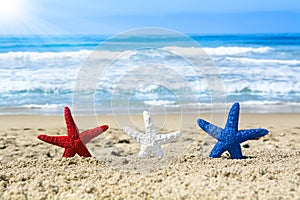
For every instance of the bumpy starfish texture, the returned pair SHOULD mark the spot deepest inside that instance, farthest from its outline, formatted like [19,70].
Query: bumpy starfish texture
[150,141]
[73,142]
[230,137]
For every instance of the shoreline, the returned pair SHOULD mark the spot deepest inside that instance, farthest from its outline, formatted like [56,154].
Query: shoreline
[267,108]
[185,120]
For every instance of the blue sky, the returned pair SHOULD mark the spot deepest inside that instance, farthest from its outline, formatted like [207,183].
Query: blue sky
[191,16]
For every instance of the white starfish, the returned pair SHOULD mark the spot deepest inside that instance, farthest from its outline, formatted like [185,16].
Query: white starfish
[151,141]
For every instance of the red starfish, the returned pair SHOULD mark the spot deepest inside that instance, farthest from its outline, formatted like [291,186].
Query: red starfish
[74,142]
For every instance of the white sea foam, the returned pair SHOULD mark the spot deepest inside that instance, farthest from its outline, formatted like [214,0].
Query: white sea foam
[236,50]
[43,106]
[80,56]
[52,75]
[159,102]
[37,56]
[74,56]
[265,61]
[44,79]
[264,88]
[218,51]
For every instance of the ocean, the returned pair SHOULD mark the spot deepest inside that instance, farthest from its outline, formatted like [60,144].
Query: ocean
[42,74]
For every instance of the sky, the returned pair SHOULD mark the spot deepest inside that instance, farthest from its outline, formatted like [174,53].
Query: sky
[19,17]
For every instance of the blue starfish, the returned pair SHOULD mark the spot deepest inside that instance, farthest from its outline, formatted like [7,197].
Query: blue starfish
[230,137]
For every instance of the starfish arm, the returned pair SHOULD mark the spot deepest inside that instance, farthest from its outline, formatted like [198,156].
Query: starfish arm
[82,151]
[61,141]
[69,152]
[138,136]
[158,152]
[149,124]
[235,151]
[211,129]
[233,118]
[217,151]
[251,134]
[88,135]
[144,152]
[166,138]
[71,126]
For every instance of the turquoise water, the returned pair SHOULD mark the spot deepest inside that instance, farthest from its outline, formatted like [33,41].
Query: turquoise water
[38,73]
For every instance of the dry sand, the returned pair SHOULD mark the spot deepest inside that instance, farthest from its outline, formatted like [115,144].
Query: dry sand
[31,169]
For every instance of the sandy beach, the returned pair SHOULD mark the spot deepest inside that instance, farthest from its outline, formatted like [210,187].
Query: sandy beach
[32,169]
[179,60]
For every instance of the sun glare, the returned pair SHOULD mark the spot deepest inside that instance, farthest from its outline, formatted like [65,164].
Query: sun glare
[11,9]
